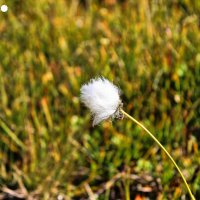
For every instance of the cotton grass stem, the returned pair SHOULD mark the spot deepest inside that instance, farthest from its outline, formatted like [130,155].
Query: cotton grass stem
[163,148]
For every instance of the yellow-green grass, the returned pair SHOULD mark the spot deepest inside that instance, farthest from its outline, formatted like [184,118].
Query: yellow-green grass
[150,49]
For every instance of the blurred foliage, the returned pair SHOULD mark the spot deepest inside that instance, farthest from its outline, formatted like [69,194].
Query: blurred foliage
[150,49]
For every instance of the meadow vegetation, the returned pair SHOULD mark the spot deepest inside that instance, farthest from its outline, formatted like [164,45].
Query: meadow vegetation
[48,147]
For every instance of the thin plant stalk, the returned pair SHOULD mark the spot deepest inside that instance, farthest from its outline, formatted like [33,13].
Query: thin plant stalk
[163,148]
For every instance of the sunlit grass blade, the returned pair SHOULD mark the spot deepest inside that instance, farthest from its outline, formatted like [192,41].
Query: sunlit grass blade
[12,135]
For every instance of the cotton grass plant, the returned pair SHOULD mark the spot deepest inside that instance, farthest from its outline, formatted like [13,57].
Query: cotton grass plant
[103,100]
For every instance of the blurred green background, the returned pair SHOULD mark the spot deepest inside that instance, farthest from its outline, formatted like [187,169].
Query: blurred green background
[48,147]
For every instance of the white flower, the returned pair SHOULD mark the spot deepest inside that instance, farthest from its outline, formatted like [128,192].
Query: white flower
[102,98]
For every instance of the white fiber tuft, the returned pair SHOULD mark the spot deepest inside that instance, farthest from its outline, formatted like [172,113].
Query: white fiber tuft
[102,98]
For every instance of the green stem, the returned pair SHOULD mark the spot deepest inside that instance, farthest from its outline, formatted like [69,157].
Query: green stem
[127,188]
[163,148]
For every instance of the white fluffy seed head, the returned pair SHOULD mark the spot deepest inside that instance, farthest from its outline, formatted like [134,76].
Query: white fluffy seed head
[102,98]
